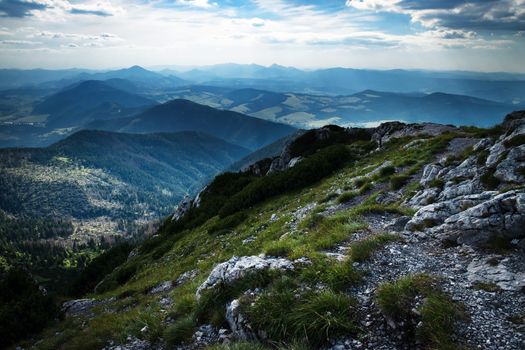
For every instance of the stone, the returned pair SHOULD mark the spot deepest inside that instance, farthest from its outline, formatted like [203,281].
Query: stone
[509,169]
[79,306]
[437,213]
[482,270]
[238,324]
[500,215]
[430,172]
[238,267]
[162,287]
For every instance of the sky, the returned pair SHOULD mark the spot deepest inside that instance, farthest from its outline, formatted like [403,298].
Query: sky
[477,35]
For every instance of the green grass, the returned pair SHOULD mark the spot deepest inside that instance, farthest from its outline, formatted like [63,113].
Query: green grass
[363,249]
[179,332]
[398,181]
[286,315]
[516,141]
[487,287]
[437,312]
[346,197]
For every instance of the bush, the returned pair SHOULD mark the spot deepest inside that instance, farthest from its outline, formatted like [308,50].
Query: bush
[24,308]
[387,171]
[310,170]
[98,268]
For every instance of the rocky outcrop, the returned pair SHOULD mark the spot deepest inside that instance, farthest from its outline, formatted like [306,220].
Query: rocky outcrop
[239,325]
[79,307]
[391,130]
[437,213]
[501,215]
[238,267]
[488,270]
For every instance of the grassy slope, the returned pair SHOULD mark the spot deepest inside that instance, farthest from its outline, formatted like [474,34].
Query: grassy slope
[197,249]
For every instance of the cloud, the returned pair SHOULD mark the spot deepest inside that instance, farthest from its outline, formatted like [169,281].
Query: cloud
[478,15]
[19,42]
[20,8]
[197,3]
[101,13]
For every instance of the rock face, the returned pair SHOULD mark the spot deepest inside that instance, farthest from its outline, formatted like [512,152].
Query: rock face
[459,202]
[238,267]
[79,306]
[484,270]
[162,287]
[238,324]
[500,216]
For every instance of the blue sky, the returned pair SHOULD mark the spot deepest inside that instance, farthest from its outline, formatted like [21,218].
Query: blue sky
[483,35]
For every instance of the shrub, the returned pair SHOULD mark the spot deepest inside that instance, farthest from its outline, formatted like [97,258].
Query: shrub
[98,268]
[180,331]
[387,171]
[24,309]
[280,248]
[310,170]
[396,182]
[438,183]
[328,197]
[224,225]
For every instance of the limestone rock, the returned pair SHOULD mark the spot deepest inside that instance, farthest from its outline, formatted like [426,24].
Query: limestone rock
[500,215]
[238,267]
[239,326]
[481,270]
[438,212]
[509,169]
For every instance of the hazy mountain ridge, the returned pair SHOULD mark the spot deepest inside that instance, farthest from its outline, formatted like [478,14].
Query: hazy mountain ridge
[180,115]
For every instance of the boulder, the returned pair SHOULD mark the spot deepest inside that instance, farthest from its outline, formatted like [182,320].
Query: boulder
[239,326]
[430,172]
[500,215]
[238,267]
[437,213]
[79,307]
[162,287]
[484,270]
[511,168]
[453,190]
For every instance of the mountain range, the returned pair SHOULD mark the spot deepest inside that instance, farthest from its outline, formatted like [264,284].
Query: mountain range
[180,115]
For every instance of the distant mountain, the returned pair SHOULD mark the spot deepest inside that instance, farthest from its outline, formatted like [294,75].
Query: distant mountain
[369,106]
[15,78]
[94,174]
[181,115]
[139,76]
[90,100]
[501,87]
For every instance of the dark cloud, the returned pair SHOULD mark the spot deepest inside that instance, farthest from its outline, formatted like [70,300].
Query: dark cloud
[19,8]
[489,15]
[77,11]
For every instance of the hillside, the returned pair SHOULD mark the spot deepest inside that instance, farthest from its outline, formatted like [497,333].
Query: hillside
[95,187]
[363,108]
[89,100]
[395,237]
[181,115]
